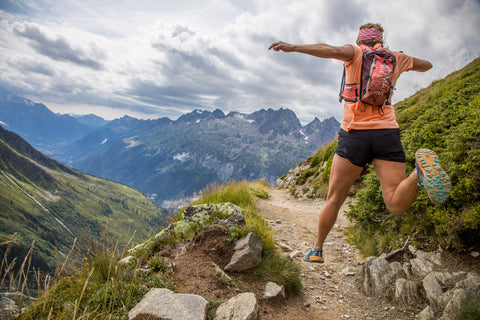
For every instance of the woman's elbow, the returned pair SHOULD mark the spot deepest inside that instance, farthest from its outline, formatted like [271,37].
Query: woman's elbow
[421,65]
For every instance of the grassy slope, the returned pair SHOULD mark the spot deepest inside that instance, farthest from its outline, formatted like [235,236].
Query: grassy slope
[38,195]
[104,289]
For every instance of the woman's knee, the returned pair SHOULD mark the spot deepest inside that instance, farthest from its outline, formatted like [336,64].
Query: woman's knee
[335,202]
[395,209]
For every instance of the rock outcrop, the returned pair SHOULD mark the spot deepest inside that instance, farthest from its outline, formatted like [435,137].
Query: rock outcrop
[200,215]
[416,282]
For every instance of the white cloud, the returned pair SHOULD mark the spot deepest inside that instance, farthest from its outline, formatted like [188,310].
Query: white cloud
[164,58]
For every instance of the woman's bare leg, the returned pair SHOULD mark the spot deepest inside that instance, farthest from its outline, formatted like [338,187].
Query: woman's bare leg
[343,174]
[398,192]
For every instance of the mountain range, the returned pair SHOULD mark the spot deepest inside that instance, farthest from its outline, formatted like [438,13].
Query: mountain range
[170,159]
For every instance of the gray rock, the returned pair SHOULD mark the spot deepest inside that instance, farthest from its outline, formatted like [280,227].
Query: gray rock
[471,284]
[407,292]
[220,273]
[167,305]
[295,254]
[247,255]
[241,307]
[379,276]
[424,263]
[426,314]
[434,284]
[454,304]
[273,290]
[349,272]
[8,307]
[416,280]
[235,220]
[285,247]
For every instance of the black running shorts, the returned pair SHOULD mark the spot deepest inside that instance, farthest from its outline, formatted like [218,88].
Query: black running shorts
[362,146]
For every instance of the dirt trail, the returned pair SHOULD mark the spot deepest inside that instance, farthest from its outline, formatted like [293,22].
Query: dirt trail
[331,290]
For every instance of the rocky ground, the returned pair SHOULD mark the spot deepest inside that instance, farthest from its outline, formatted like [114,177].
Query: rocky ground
[330,291]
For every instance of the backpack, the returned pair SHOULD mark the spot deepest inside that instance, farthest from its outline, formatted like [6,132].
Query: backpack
[375,87]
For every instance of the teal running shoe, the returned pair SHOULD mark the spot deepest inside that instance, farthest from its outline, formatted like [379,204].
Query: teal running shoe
[431,176]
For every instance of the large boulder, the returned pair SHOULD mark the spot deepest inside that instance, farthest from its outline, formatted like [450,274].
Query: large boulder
[199,215]
[168,305]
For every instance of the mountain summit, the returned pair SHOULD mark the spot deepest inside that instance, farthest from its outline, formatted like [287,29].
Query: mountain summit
[42,128]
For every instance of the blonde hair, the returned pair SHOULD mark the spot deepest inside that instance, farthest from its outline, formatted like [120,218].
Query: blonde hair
[371,42]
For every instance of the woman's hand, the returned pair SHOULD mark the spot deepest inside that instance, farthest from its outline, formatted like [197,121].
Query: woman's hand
[282,46]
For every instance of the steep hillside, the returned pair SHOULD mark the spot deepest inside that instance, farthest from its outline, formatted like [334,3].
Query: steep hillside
[44,201]
[168,159]
[444,117]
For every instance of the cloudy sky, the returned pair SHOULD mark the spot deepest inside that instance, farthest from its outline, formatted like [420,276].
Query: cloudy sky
[156,58]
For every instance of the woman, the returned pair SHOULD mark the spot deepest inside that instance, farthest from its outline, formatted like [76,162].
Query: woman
[369,134]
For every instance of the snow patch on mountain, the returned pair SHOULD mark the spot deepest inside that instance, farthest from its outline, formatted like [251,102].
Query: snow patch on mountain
[181,156]
[131,142]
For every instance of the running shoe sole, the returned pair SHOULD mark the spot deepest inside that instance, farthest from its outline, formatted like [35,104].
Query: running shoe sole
[435,180]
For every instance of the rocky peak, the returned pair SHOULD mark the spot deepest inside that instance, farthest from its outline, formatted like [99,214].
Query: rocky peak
[317,125]
[200,115]
[276,122]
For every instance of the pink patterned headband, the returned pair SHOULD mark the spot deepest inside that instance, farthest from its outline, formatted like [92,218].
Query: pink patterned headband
[370,34]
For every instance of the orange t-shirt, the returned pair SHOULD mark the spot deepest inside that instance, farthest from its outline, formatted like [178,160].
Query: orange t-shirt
[360,116]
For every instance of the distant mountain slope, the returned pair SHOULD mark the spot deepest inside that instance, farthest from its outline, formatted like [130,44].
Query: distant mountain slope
[44,201]
[42,128]
[167,159]
[90,120]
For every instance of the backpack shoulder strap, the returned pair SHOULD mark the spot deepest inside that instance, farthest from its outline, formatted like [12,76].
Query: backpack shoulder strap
[342,84]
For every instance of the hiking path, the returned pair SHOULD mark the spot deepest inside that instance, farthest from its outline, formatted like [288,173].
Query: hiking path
[330,290]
